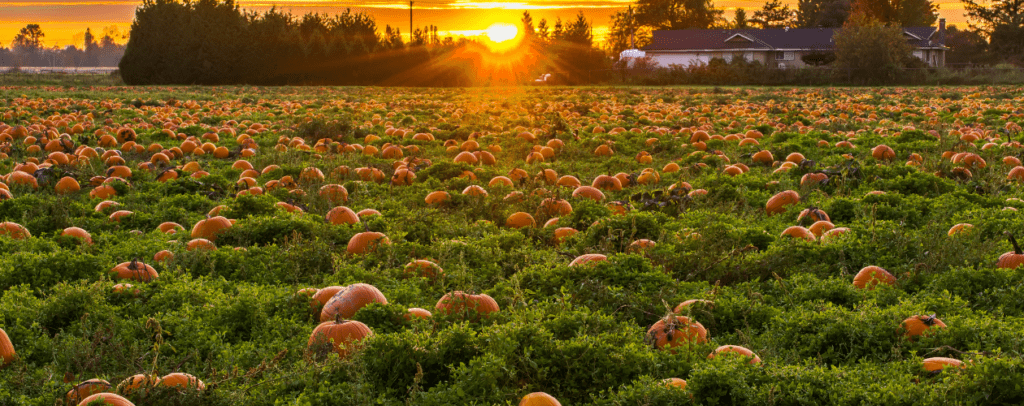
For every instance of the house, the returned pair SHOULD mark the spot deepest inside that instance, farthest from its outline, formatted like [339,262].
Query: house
[782,47]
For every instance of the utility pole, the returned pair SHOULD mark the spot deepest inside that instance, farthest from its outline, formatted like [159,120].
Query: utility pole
[410,21]
[631,46]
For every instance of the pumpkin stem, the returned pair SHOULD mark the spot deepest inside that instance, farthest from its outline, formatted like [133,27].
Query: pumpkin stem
[929,321]
[1016,247]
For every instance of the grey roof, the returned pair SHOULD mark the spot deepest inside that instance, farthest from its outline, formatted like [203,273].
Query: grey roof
[767,39]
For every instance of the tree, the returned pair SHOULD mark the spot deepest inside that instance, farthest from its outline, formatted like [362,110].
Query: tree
[869,51]
[822,13]
[740,19]
[29,38]
[1002,22]
[91,50]
[678,14]
[903,13]
[624,29]
[966,47]
[774,15]
[527,20]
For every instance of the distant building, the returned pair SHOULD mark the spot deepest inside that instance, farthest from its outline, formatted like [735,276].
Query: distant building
[781,47]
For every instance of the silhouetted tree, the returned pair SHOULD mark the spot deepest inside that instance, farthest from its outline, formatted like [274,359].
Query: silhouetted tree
[774,15]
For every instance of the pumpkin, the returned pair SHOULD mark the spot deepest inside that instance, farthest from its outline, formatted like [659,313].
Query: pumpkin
[820,227]
[588,192]
[163,255]
[959,228]
[609,183]
[681,308]
[552,207]
[200,244]
[798,232]
[7,354]
[520,220]
[1010,260]
[334,193]
[323,295]
[474,190]
[562,233]
[539,399]
[423,268]
[437,198]
[883,153]
[674,383]
[915,326]
[459,302]
[588,258]
[77,233]
[14,230]
[120,214]
[936,364]
[86,389]
[872,275]
[110,399]
[347,301]
[640,245]
[735,349]
[342,215]
[210,227]
[340,336]
[833,233]
[134,270]
[170,227]
[137,383]
[67,185]
[674,331]
[366,242]
[179,380]
[813,214]
[416,312]
[777,204]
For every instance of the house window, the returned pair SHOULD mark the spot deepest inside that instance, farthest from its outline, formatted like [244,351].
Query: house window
[749,56]
[919,54]
[785,56]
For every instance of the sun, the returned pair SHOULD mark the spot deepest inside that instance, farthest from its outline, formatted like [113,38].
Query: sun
[501,36]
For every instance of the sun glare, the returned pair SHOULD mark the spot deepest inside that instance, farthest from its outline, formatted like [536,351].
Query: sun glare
[501,36]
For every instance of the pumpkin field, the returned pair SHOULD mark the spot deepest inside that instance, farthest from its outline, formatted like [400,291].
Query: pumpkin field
[533,246]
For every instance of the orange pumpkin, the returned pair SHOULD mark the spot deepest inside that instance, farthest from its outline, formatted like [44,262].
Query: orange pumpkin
[936,364]
[210,227]
[341,336]
[1009,260]
[86,389]
[539,399]
[588,258]
[458,302]
[7,354]
[179,380]
[366,242]
[137,383]
[14,230]
[110,399]
[347,301]
[915,326]
[674,331]
[777,204]
[735,349]
[134,270]
[77,233]
[872,275]
[342,215]
[520,220]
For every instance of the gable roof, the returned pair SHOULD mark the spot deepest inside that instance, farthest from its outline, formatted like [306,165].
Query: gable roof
[819,39]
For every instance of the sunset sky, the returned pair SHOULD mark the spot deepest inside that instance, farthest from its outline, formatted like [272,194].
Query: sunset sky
[63,22]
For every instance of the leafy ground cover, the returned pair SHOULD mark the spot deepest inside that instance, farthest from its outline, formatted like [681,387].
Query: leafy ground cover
[221,223]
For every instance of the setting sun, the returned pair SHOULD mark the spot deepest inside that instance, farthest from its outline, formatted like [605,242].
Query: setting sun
[501,36]
[501,32]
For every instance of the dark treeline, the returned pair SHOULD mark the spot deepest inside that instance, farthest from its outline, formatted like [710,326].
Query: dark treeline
[215,42]
[27,50]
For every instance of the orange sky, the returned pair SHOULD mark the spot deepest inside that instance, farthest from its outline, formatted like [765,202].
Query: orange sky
[63,22]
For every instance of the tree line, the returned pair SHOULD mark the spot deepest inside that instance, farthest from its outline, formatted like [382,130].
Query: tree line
[215,42]
[27,49]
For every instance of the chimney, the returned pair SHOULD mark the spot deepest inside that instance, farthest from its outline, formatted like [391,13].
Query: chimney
[942,31]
